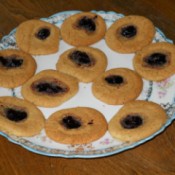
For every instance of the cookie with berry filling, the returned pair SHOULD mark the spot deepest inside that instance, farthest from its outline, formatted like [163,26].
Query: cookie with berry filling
[117,86]
[78,125]
[155,62]
[38,37]
[137,120]
[50,88]
[84,63]
[19,117]
[130,34]
[16,67]
[83,29]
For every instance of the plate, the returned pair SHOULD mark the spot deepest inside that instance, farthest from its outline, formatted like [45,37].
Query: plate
[161,93]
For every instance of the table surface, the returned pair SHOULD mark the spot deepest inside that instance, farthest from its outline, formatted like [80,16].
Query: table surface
[153,157]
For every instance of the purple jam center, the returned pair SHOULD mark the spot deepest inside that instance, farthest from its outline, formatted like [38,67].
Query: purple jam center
[70,122]
[131,121]
[81,58]
[43,33]
[11,61]
[15,114]
[128,31]
[156,59]
[114,79]
[87,24]
[49,88]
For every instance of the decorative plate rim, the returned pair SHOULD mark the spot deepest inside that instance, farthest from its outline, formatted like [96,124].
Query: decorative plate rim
[102,153]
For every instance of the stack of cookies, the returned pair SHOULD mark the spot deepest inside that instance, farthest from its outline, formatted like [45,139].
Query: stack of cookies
[136,120]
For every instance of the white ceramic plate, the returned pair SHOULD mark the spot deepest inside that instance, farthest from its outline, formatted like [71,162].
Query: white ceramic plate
[162,93]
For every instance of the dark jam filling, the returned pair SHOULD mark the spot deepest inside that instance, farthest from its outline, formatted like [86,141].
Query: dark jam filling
[131,121]
[49,88]
[156,59]
[43,33]
[87,23]
[114,79]
[128,31]
[15,114]
[81,58]
[71,122]
[11,61]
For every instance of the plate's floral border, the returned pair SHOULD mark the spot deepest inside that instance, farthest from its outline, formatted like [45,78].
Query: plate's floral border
[88,150]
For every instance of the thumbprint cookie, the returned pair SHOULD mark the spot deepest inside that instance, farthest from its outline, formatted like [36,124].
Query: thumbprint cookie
[137,120]
[155,62]
[84,63]
[130,34]
[16,67]
[117,86]
[83,29]
[50,88]
[78,125]
[19,117]
[38,37]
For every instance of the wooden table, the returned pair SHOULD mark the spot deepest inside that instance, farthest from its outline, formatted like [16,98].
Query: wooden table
[153,157]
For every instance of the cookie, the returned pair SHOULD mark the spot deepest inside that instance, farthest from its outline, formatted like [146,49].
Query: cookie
[130,34]
[83,29]
[76,125]
[155,62]
[37,37]
[16,67]
[117,86]
[19,117]
[50,88]
[137,120]
[84,63]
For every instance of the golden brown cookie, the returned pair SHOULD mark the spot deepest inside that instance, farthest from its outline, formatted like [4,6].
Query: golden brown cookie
[84,63]
[130,34]
[117,86]
[50,88]
[155,62]
[83,29]
[16,67]
[76,125]
[37,37]
[19,117]
[137,120]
